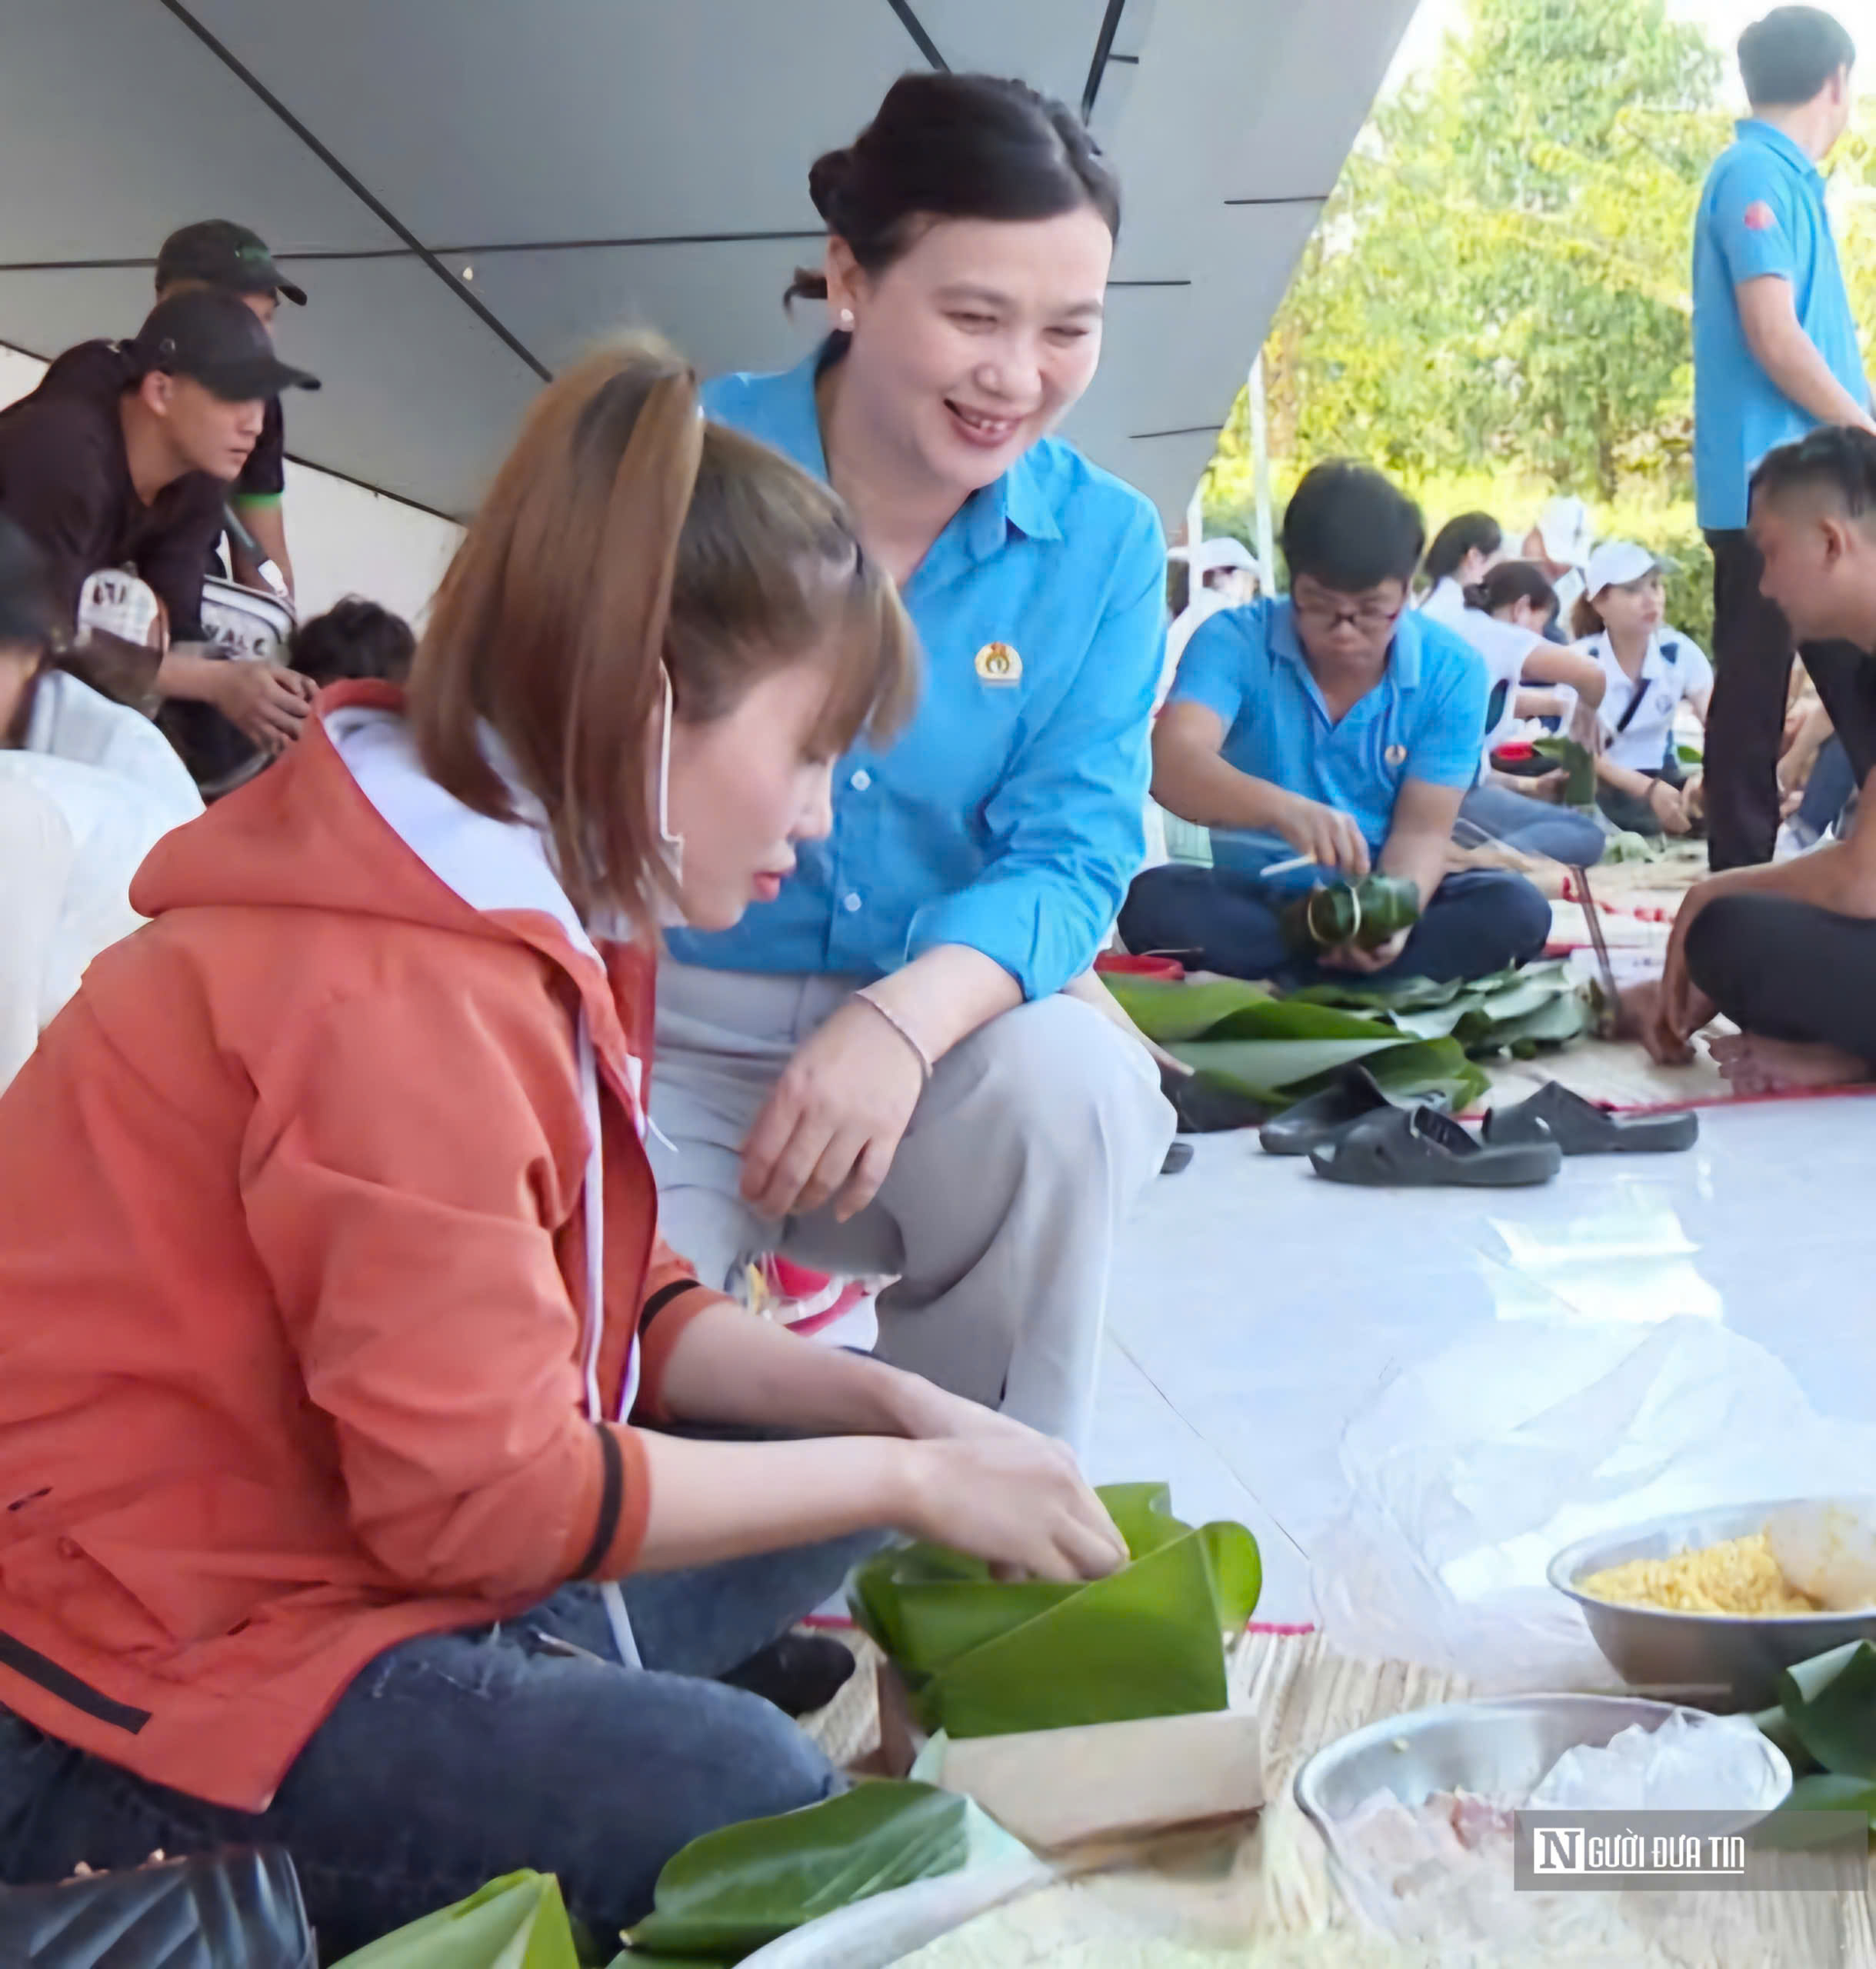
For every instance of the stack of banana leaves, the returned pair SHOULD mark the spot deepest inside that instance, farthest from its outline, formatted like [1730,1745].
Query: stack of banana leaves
[1418,1039]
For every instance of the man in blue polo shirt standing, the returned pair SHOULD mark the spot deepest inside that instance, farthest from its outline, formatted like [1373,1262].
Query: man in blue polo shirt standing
[1335,723]
[1775,354]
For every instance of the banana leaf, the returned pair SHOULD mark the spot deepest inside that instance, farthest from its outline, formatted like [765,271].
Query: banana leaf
[984,1656]
[1167,1013]
[735,1890]
[1411,994]
[517,1922]
[1269,1069]
[1829,1704]
[1434,1066]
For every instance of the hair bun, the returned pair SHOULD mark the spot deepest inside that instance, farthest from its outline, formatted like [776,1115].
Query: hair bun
[828,178]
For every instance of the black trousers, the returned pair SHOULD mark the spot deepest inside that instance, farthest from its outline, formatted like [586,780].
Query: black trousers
[1752,652]
[1788,970]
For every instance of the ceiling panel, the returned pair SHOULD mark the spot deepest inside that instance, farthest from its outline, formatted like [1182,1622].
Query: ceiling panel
[518,120]
[721,303]
[487,124]
[117,125]
[1048,43]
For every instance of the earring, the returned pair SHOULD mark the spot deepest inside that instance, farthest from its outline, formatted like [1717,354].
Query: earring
[846,321]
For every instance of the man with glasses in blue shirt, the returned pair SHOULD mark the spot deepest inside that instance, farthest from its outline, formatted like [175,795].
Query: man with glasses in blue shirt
[1335,725]
[1775,354]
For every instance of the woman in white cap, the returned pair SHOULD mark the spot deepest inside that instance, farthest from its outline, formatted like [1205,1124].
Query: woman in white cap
[1652,670]
[1559,543]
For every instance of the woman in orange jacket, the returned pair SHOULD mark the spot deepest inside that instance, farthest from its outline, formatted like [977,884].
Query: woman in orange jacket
[343,1375]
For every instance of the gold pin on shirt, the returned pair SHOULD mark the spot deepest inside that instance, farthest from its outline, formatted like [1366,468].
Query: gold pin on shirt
[997,663]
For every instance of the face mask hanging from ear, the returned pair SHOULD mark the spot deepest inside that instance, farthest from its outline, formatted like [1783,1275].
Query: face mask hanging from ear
[670,913]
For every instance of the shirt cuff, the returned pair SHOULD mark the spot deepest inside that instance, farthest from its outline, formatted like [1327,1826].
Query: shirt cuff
[619,1508]
[1003,920]
[661,1325]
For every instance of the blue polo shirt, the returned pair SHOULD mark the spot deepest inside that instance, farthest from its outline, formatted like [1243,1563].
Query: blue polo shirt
[1424,720]
[1009,814]
[1762,212]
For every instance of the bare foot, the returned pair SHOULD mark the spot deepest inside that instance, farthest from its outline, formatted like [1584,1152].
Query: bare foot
[1755,1065]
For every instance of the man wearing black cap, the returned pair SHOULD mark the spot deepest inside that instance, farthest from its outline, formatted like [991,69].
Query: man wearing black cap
[218,253]
[127,462]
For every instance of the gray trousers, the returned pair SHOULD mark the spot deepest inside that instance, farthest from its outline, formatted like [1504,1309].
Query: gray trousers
[998,1218]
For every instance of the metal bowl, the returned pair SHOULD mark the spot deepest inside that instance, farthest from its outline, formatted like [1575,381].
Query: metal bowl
[1498,1747]
[1718,1660]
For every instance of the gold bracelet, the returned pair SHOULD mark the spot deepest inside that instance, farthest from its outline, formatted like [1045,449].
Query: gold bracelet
[903,1030]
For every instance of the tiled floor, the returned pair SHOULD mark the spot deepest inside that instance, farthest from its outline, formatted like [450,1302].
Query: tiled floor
[1256,1307]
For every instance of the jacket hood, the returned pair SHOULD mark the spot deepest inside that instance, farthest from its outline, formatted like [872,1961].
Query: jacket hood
[348,822]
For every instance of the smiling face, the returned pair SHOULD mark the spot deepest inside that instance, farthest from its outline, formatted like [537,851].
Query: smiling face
[975,341]
[744,788]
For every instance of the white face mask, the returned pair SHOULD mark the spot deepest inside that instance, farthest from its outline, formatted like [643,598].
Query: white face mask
[669,913]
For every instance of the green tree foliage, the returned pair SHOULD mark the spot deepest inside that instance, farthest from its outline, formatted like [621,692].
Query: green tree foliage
[1500,282]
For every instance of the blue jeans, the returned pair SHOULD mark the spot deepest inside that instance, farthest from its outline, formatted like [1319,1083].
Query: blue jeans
[1533,827]
[1828,791]
[456,1757]
[1479,921]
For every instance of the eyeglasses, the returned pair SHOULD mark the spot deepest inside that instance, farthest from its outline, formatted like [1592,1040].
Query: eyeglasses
[1328,616]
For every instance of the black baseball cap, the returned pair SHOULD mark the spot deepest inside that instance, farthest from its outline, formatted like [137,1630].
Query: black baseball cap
[226,255]
[218,340]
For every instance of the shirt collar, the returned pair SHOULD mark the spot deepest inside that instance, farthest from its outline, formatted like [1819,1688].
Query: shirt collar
[1403,653]
[1019,499]
[1753,130]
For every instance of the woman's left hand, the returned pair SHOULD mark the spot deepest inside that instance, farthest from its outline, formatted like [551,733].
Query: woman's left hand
[832,1125]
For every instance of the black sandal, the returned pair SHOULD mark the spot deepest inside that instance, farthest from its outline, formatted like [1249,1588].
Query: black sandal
[1580,1127]
[1424,1149]
[1318,1119]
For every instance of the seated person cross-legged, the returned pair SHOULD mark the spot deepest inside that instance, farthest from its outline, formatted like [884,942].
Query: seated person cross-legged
[1335,724]
[1786,950]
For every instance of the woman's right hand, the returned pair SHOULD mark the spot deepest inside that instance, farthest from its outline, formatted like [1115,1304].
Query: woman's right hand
[1668,806]
[1331,839]
[1016,1498]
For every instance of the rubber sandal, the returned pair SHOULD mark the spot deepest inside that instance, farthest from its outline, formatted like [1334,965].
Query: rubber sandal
[1207,1106]
[1178,1156]
[1580,1127]
[1319,1118]
[1424,1149]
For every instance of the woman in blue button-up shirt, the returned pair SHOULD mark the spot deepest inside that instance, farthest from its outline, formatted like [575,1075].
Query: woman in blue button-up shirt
[879,1071]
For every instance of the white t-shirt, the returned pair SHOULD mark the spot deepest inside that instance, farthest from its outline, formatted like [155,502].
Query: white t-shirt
[1504,648]
[1675,669]
[71,836]
[71,720]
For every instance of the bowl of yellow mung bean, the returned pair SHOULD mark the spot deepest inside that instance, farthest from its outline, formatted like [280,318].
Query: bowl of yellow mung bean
[1694,1606]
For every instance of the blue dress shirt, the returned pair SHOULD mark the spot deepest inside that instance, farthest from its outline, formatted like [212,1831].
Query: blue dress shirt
[1009,815]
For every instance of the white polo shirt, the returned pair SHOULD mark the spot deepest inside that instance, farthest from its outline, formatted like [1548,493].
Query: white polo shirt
[1504,648]
[1675,669]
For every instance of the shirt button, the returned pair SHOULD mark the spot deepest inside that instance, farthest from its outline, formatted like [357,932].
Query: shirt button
[850,902]
[861,780]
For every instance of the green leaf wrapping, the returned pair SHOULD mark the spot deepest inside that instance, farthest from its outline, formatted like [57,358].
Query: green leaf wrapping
[517,1922]
[984,1658]
[733,1891]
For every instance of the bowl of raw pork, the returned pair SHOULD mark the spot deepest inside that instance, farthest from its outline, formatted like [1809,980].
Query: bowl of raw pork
[1418,1811]
[1714,1605]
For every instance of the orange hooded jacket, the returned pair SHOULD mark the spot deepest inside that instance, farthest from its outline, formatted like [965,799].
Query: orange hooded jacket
[298,1356]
